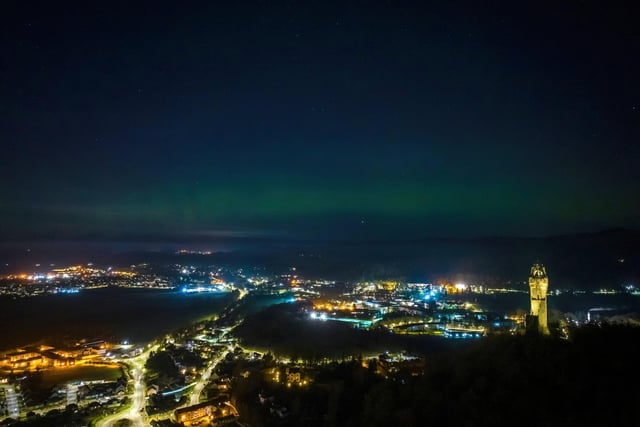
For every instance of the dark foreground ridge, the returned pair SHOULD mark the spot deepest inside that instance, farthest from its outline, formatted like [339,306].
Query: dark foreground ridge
[590,380]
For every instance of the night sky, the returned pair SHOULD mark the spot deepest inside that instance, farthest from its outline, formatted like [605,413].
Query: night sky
[318,119]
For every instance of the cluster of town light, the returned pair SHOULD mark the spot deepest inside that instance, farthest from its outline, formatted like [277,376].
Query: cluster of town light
[321,316]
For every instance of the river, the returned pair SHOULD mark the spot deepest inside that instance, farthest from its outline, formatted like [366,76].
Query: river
[115,314]
[140,315]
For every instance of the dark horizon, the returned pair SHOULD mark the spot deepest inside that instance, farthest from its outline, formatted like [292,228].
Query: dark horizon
[197,241]
[610,258]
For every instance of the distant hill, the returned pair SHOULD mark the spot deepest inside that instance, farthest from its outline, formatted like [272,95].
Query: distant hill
[608,258]
[588,260]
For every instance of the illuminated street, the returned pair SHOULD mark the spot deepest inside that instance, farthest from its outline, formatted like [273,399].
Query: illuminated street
[135,412]
[204,378]
[13,408]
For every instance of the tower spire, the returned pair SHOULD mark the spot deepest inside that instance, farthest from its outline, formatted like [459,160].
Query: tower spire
[538,286]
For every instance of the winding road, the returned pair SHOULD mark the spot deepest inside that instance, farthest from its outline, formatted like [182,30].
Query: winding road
[135,412]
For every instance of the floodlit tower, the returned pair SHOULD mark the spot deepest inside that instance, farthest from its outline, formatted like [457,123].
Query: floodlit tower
[538,286]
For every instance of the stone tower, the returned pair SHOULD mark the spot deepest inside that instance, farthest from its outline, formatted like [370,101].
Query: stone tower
[538,286]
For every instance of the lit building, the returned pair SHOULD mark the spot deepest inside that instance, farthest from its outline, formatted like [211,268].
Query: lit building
[293,376]
[23,360]
[213,412]
[392,364]
[538,286]
[192,414]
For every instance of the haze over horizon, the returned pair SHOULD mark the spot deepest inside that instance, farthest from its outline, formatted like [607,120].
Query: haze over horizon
[321,120]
